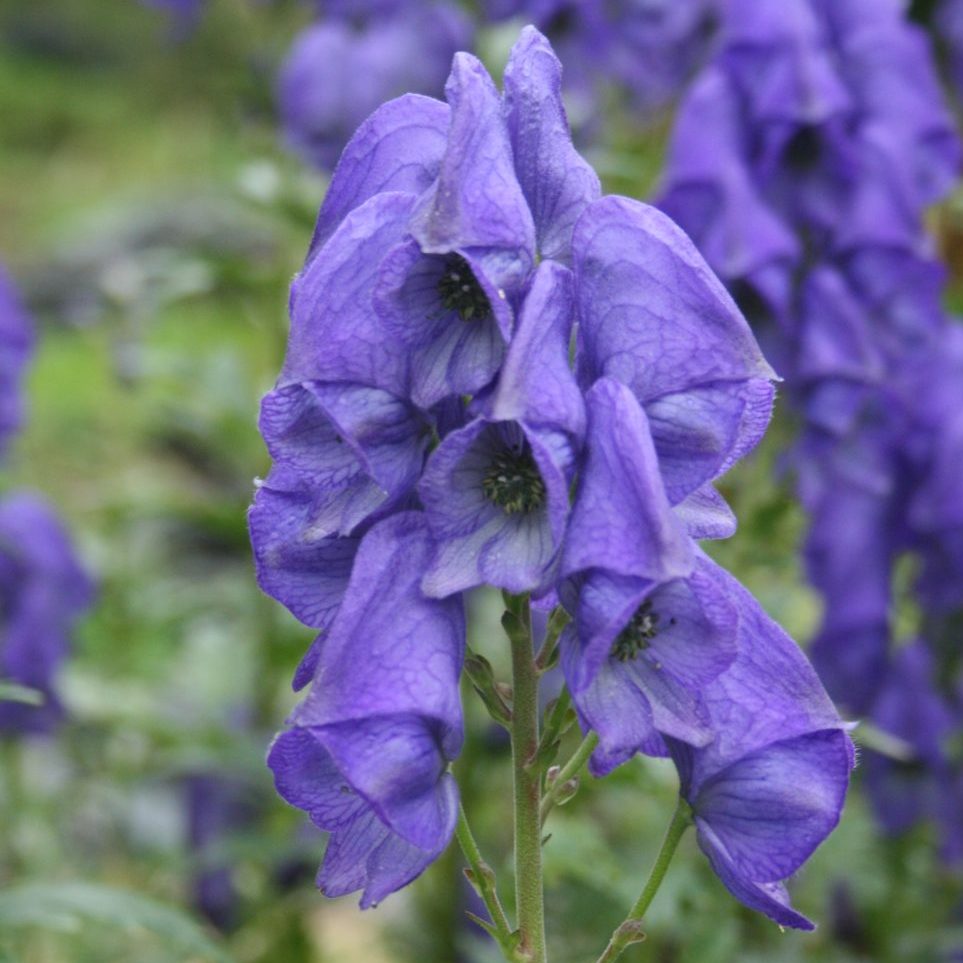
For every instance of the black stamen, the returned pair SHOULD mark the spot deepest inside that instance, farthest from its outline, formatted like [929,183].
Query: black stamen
[643,627]
[460,291]
[513,482]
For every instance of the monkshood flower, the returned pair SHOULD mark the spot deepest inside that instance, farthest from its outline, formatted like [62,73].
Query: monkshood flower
[44,590]
[16,347]
[338,71]
[497,377]
[651,623]
[908,706]
[769,788]
[833,139]
[647,49]
[367,752]
[423,250]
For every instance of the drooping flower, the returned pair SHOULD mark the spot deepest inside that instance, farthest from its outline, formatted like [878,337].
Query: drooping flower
[769,787]
[908,707]
[44,590]
[367,752]
[650,624]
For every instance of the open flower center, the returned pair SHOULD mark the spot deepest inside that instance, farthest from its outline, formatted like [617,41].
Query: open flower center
[643,627]
[513,482]
[460,291]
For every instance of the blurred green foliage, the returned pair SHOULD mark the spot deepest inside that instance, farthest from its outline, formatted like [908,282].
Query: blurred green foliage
[155,223]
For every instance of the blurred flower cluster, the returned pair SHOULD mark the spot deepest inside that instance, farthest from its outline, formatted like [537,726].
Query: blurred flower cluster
[430,435]
[802,162]
[43,588]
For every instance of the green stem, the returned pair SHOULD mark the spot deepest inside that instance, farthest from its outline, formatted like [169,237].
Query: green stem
[483,879]
[569,771]
[529,897]
[630,930]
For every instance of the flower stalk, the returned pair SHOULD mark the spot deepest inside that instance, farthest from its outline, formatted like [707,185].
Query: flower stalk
[482,878]
[529,890]
[630,931]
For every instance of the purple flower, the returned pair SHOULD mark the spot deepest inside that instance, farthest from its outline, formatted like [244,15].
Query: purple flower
[343,455]
[651,624]
[653,316]
[908,707]
[367,752]
[44,591]
[16,347]
[769,787]
[429,435]
[817,141]
[496,491]
[420,273]
[337,73]
[645,48]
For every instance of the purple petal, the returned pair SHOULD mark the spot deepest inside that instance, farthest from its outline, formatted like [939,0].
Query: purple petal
[558,183]
[306,574]
[705,514]
[448,354]
[390,651]
[398,148]
[396,763]
[536,384]
[700,433]
[653,314]
[477,207]
[771,899]
[621,520]
[770,809]
[336,334]
[477,541]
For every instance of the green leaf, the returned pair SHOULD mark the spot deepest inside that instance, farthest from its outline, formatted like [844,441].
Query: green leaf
[68,907]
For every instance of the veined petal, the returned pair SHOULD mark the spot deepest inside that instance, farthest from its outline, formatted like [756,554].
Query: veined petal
[336,334]
[557,182]
[621,520]
[477,207]
[652,314]
[770,809]
[398,148]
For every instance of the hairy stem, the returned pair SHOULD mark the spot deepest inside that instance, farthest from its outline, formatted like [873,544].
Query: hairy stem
[529,897]
[569,771]
[483,879]
[630,930]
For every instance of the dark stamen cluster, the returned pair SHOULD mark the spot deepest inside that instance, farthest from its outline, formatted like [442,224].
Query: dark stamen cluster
[513,482]
[643,627]
[460,291]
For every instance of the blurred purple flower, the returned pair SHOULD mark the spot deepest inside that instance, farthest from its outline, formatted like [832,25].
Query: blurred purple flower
[43,590]
[647,49]
[337,72]
[905,791]
[16,348]
[218,806]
